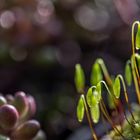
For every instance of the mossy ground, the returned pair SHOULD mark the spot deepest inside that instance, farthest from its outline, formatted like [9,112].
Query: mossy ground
[131,130]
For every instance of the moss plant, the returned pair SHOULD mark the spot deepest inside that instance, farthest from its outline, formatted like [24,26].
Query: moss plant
[92,102]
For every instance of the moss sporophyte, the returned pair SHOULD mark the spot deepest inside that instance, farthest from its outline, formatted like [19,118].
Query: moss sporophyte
[92,102]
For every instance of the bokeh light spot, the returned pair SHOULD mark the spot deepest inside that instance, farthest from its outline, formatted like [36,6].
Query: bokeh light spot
[7,19]
[91,19]
[18,54]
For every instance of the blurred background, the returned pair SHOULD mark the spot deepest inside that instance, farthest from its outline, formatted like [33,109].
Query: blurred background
[42,40]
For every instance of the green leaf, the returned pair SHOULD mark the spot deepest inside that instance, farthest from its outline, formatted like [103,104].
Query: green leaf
[138,37]
[91,98]
[128,74]
[96,74]
[117,87]
[99,91]
[95,113]
[79,78]
[80,109]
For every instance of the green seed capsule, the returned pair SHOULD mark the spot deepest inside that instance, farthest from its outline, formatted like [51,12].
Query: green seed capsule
[95,113]
[128,73]
[79,78]
[117,87]
[138,37]
[91,98]
[80,109]
[96,74]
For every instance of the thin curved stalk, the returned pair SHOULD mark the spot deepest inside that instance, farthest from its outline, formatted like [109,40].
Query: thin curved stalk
[89,120]
[126,116]
[126,95]
[103,82]
[135,79]
[105,72]
[133,36]
[105,112]
[133,49]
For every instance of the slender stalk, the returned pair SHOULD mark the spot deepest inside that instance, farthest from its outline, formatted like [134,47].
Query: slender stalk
[105,72]
[105,112]
[135,79]
[133,49]
[126,95]
[120,101]
[126,117]
[108,79]
[110,84]
[112,96]
[89,120]
[133,36]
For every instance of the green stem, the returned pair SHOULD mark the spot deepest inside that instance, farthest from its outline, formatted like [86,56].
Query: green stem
[103,82]
[111,95]
[126,95]
[105,72]
[135,79]
[105,112]
[133,49]
[126,117]
[133,36]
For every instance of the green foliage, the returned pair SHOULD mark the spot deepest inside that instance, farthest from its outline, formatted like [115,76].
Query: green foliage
[117,87]
[80,109]
[138,37]
[79,78]
[128,73]
[95,113]
[96,74]
[130,128]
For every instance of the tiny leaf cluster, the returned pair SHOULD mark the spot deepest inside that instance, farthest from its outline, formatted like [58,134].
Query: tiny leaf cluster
[15,114]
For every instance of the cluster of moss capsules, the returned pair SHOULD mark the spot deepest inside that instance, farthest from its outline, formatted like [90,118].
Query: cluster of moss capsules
[125,124]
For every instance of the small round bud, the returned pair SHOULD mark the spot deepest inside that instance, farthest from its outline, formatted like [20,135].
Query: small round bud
[8,116]
[31,105]
[26,131]
[21,103]
[2,100]
[9,98]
